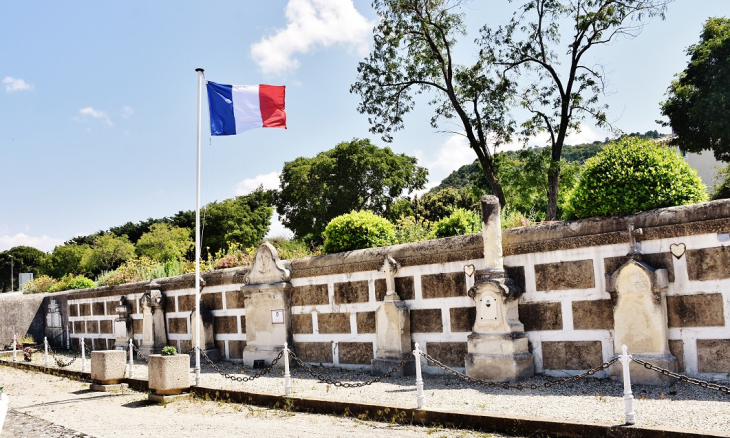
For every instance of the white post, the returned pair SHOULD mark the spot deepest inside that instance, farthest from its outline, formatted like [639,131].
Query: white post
[131,359]
[45,347]
[83,356]
[625,360]
[15,347]
[197,236]
[287,376]
[68,337]
[419,379]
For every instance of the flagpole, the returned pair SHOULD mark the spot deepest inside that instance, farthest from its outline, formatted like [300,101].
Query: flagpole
[198,317]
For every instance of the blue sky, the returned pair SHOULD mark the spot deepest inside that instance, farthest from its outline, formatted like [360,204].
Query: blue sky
[98,100]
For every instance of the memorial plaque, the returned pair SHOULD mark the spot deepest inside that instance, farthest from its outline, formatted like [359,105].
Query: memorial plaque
[277,316]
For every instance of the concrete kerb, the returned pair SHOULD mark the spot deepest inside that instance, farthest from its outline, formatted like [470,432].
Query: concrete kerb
[514,425]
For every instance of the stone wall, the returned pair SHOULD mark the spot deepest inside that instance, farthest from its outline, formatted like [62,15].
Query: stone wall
[21,314]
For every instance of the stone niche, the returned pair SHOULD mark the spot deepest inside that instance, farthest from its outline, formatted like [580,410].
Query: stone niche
[267,300]
[122,324]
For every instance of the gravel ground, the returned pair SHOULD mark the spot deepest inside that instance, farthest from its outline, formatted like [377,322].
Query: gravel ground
[679,406]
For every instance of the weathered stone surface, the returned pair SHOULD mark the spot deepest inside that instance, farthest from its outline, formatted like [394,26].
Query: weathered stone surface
[351,292]
[84,309]
[564,275]
[450,353]
[170,305]
[452,284]
[541,316]
[111,307]
[177,325]
[676,347]
[213,301]
[365,322]
[571,355]
[713,355]
[225,324]
[462,318]
[79,327]
[517,274]
[355,352]
[659,260]
[234,300]
[329,323]
[108,367]
[97,308]
[309,295]
[593,315]
[92,326]
[73,310]
[235,349]
[186,303]
[169,374]
[695,310]
[403,286]
[98,344]
[302,323]
[105,326]
[317,352]
[426,321]
[708,263]
[266,335]
[137,326]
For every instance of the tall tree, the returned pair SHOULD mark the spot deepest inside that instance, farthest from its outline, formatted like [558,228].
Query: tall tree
[413,53]
[355,175]
[698,103]
[244,220]
[164,243]
[107,252]
[24,259]
[65,259]
[559,97]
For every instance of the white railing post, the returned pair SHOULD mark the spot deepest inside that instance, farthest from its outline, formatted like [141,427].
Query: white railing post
[83,356]
[45,347]
[131,359]
[287,376]
[625,360]
[68,337]
[15,346]
[419,378]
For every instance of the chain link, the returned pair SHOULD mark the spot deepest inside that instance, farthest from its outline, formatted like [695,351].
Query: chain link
[683,378]
[324,379]
[60,363]
[241,378]
[505,385]
[139,353]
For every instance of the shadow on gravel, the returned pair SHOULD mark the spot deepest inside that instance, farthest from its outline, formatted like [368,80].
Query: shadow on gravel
[138,404]
[69,401]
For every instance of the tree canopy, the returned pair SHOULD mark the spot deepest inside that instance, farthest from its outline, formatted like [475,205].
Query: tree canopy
[354,175]
[164,242]
[244,220]
[24,259]
[698,101]
[107,252]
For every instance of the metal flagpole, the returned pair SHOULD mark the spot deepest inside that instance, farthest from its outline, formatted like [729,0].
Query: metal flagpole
[197,239]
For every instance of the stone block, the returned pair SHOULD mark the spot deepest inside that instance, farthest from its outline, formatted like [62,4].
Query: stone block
[379,367]
[713,355]
[99,344]
[708,263]
[351,292]
[79,327]
[571,355]
[92,327]
[593,315]
[365,322]
[73,310]
[235,300]
[676,347]
[186,303]
[177,325]
[462,319]
[500,368]
[108,366]
[235,349]
[97,309]
[360,353]
[705,310]
[137,326]
[105,326]
[84,309]
[426,321]
[564,275]
[449,353]
[330,323]
[302,323]
[659,260]
[314,352]
[451,284]
[310,295]
[541,316]
[213,301]
[225,324]
[403,286]
[169,375]
[111,307]
[170,304]
[517,274]
[643,376]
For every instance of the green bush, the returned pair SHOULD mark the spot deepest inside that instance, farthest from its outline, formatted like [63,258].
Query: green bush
[722,183]
[69,281]
[357,230]
[41,284]
[169,351]
[633,175]
[460,221]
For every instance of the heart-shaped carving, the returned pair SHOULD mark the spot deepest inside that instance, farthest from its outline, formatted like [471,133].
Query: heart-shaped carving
[677,250]
[469,270]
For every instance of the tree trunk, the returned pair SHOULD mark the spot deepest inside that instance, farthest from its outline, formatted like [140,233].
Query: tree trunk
[553,179]
[494,184]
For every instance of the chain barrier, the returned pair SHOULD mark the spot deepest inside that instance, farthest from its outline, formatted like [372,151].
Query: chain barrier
[324,379]
[241,378]
[139,353]
[505,385]
[683,378]
[60,363]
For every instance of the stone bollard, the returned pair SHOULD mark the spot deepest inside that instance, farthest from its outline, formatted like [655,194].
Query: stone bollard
[131,359]
[168,376]
[287,375]
[625,360]
[45,348]
[107,368]
[419,379]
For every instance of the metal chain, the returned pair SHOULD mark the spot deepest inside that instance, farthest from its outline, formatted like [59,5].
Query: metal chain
[683,378]
[139,353]
[505,385]
[59,362]
[242,378]
[324,379]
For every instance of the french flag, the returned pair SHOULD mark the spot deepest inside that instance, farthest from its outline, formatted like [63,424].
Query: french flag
[238,108]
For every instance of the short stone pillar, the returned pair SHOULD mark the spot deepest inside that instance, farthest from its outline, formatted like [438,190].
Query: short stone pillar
[123,324]
[392,328]
[107,369]
[498,347]
[154,336]
[266,297]
[168,375]
[640,319]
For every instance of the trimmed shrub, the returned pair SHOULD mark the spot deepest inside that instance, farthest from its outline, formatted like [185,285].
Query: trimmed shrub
[460,221]
[69,281]
[357,230]
[633,175]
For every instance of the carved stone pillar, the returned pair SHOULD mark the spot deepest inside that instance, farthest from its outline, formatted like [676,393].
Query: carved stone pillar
[123,325]
[154,336]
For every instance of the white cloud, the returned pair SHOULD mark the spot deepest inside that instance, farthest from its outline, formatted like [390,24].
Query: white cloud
[454,153]
[587,134]
[312,24]
[16,84]
[44,243]
[127,112]
[90,112]
[277,229]
[270,181]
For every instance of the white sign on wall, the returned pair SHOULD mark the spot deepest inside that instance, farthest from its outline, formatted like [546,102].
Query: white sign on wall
[277,316]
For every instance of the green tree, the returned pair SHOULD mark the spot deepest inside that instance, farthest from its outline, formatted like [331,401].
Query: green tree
[559,96]
[244,220]
[164,242]
[107,252]
[358,230]
[355,175]
[458,223]
[413,53]
[698,102]
[24,259]
[65,259]
[722,183]
[435,206]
